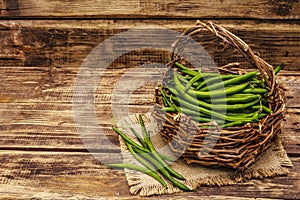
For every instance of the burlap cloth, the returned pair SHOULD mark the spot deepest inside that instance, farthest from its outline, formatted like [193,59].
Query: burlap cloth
[273,162]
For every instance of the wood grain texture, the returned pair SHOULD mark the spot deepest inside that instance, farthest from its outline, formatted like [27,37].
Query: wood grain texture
[262,9]
[43,118]
[42,45]
[65,43]
[77,175]
[62,173]
[42,153]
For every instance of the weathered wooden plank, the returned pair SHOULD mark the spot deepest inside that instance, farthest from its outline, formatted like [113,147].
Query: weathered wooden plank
[62,173]
[51,175]
[41,152]
[39,84]
[262,9]
[18,192]
[50,127]
[10,43]
[66,43]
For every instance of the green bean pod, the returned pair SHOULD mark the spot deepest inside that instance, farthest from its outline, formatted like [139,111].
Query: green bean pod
[128,140]
[140,169]
[155,153]
[168,109]
[199,117]
[192,81]
[191,109]
[140,139]
[277,69]
[243,121]
[215,79]
[265,108]
[186,69]
[201,94]
[241,115]
[255,91]
[186,81]
[232,81]
[195,101]
[145,133]
[193,73]
[230,99]
[163,170]
[140,159]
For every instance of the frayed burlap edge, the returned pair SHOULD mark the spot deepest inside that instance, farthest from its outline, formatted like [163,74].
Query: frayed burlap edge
[273,162]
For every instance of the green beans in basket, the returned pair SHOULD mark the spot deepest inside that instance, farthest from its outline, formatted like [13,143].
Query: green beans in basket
[222,118]
[207,96]
[154,163]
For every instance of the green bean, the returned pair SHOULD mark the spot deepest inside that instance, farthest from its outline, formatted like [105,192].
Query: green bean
[256,114]
[192,81]
[186,70]
[141,169]
[169,109]
[262,115]
[259,83]
[182,67]
[167,158]
[255,91]
[185,80]
[165,98]
[165,102]
[195,101]
[196,116]
[128,140]
[242,122]
[242,115]
[163,170]
[215,79]
[140,139]
[155,153]
[191,72]
[193,110]
[139,158]
[235,80]
[266,109]
[242,95]
[277,69]
[145,134]
[188,112]
[201,94]
[181,110]
[234,100]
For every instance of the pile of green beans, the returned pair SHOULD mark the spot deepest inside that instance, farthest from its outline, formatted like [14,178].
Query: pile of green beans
[227,99]
[153,163]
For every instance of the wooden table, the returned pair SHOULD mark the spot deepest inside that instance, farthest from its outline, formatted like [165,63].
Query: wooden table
[43,44]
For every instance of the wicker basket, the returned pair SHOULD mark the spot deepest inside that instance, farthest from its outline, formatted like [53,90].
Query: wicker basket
[236,147]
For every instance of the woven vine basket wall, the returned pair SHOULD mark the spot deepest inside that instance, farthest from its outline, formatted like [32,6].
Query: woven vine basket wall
[233,147]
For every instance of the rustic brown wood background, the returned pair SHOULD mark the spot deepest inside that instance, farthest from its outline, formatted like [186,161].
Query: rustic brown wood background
[44,42]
